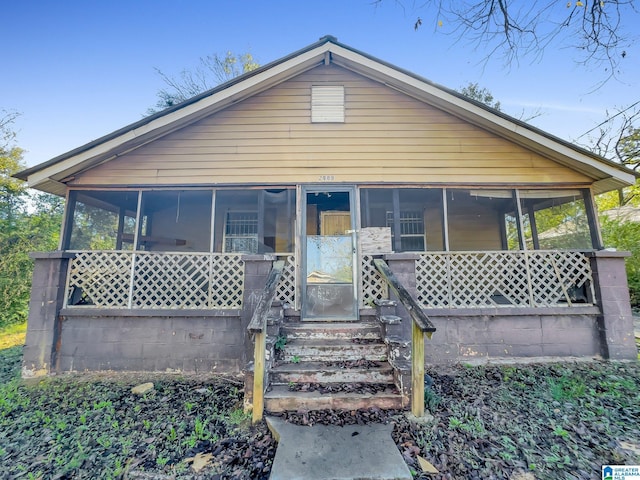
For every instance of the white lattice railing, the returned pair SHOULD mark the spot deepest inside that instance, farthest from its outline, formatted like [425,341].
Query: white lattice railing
[286,289]
[372,286]
[503,279]
[109,279]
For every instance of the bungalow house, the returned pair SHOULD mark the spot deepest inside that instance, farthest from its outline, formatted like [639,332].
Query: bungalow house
[311,221]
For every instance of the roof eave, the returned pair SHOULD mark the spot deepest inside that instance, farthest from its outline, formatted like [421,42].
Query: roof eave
[143,131]
[597,167]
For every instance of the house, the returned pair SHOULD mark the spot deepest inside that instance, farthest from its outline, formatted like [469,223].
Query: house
[372,205]
[624,213]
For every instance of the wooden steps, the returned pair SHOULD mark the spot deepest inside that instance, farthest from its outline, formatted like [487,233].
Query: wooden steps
[324,372]
[280,399]
[332,365]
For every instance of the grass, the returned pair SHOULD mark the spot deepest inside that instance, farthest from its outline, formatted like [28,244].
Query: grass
[13,335]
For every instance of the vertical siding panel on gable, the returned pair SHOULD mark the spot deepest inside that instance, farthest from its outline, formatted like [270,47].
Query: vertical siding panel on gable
[386,136]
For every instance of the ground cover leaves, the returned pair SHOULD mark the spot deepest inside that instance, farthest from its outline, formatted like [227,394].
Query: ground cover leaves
[540,421]
[548,421]
[96,428]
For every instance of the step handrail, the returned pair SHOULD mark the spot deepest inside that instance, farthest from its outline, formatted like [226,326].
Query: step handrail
[414,310]
[258,327]
[420,326]
[259,317]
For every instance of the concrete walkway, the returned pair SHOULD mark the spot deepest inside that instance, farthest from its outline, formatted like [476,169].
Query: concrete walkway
[323,452]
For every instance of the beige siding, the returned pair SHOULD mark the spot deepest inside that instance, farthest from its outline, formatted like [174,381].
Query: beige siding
[386,137]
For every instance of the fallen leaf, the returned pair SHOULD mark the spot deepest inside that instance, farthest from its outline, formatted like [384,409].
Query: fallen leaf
[631,447]
[426,466]
[142,388]
[200,461]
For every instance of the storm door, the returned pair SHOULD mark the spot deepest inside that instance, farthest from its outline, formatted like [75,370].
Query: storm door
[328,254]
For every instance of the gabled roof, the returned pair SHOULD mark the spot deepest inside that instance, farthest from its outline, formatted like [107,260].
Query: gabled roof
[51,175]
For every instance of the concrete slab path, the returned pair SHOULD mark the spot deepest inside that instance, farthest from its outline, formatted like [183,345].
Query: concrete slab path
[327,452]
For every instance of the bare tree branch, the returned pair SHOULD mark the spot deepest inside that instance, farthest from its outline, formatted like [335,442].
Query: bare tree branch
[601,32]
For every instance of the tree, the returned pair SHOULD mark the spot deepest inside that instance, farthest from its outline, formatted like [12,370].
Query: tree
[480,94]
[12,191]
[600,31]
[27,223]
[618,138]
[211,71]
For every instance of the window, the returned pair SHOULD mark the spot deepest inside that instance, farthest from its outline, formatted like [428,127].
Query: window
[327,103]
[175,220]
[241,232]
[481,220]
[411,230]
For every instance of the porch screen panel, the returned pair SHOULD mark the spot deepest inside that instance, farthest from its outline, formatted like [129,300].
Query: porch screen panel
[415,213]
[254,221]
[555,219]
[102,220]
[481,220]
[177,221]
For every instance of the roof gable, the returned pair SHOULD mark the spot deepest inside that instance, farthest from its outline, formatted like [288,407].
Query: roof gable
[387,137]
[52,175]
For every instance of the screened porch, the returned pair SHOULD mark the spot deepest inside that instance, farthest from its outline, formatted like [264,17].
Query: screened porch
[472,248]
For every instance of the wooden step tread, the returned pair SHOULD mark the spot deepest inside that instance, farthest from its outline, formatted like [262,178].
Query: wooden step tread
[280,398]
[331,330]
[327,366]
[318,372]
[336,350]
[330,342]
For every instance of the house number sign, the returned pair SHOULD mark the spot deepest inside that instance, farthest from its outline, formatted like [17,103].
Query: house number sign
[327,178]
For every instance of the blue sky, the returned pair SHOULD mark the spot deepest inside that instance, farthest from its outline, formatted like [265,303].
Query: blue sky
[77,70]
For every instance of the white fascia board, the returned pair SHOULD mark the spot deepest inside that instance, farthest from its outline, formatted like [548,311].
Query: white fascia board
[486,119]
[183,115]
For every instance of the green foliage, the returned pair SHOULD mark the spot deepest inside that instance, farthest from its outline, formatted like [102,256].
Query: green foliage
[70,428]
[28,223]
[541,417]
[431,399]
[281,342]
[625,236]
[480,94]
[567,388]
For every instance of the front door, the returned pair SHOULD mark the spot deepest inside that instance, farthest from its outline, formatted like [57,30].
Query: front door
[328,254]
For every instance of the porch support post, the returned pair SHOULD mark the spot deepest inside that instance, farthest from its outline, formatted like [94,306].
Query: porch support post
[417,371]
[44,327]
[612,295]
[258,376]
[256,272]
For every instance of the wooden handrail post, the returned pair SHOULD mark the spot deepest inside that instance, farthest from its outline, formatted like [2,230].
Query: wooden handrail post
[420,326]
[258,328]
[258,375]
[417,370]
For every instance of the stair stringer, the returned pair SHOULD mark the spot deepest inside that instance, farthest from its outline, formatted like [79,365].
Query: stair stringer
[398,344]
[275,318]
